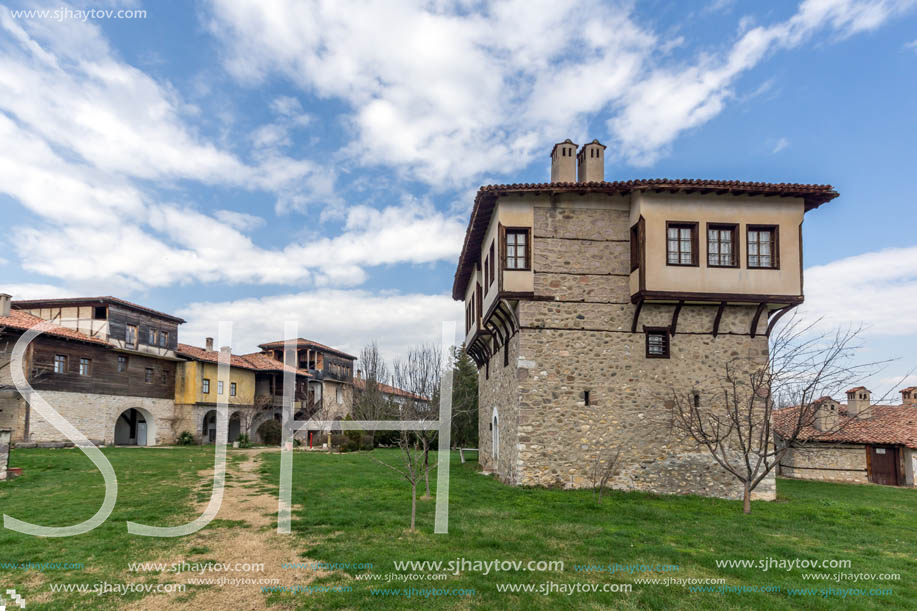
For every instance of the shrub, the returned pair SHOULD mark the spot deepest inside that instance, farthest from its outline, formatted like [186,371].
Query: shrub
[271,432]
[185,438]
[244,441]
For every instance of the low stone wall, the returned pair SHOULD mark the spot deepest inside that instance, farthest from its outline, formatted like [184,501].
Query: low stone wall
[5,435]
[95,415]
[826,462]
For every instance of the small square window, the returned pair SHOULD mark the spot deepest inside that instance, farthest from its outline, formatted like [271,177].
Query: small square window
[517,249]
[99,313]
[657,342]
[722,246]
[763,247]
[681,244]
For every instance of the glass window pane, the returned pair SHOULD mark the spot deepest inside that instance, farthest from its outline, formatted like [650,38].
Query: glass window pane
[673,233]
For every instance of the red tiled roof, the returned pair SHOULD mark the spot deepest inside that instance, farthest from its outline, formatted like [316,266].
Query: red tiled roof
[24,321]
[885,424]
[856,389]
[360,384]
[67,301]
[813,195]
[909,389]
[306,343]
[210,356]
[263,362]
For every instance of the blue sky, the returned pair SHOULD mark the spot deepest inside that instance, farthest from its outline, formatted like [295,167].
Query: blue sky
[318,160]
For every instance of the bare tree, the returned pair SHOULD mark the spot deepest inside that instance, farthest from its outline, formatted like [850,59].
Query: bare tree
[419,374]
[415,466]
[370,402]
[604,465]
[737,426]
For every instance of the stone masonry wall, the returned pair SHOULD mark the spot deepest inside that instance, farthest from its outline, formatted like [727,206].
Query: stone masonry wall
[95,417]
[4,452]
[827,462]
[576,337]
[500,392]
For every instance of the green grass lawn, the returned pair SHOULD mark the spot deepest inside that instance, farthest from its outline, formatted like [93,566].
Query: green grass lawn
[62,487]
[356,511]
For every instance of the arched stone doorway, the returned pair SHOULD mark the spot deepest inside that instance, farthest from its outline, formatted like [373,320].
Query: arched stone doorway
[209,427]
[135,427]
[235,427]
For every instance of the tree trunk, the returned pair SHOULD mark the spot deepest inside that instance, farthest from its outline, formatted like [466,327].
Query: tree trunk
[746,498]
[413,503]
[426,467]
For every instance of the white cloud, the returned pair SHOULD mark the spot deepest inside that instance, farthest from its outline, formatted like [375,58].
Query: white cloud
[346,320]
[782,143]
[33,290]
[876,289]
[476,88]
[239,220]
[911,45]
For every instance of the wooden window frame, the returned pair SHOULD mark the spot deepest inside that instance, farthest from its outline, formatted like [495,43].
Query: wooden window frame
[219,387]
[205,386]
[153,337]
[127,333]
[775,249]
[736,249]
[505,252]
[663,331]
[88,363]
[59,358]
[148,376]
[492,263]
[122,364]
[695,255]
[164,376]
[232,389]
[163,339]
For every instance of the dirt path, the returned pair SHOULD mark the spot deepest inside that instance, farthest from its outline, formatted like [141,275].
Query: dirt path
[255,542]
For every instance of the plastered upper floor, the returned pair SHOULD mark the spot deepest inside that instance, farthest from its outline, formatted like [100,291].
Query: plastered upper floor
[635,225]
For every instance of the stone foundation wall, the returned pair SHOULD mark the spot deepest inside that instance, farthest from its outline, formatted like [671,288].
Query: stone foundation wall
[826,462]
[4,452]
[95,417]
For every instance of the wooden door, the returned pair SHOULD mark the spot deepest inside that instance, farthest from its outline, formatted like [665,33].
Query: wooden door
[883,465]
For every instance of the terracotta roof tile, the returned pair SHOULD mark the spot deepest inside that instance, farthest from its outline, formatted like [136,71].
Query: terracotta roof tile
[24,321]
[65,301]
[360,384]
[886,424]
[306,343]
[856,389]
[814,196]
[210,356]
[263,362]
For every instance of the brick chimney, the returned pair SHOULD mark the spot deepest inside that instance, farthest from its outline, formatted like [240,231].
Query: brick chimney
[563,162]
[5,301]
[209,344]
[826,413]
[590,162]
[909,396]
[858,401]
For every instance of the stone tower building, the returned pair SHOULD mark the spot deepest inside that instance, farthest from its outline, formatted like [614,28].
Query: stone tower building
[588,303]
